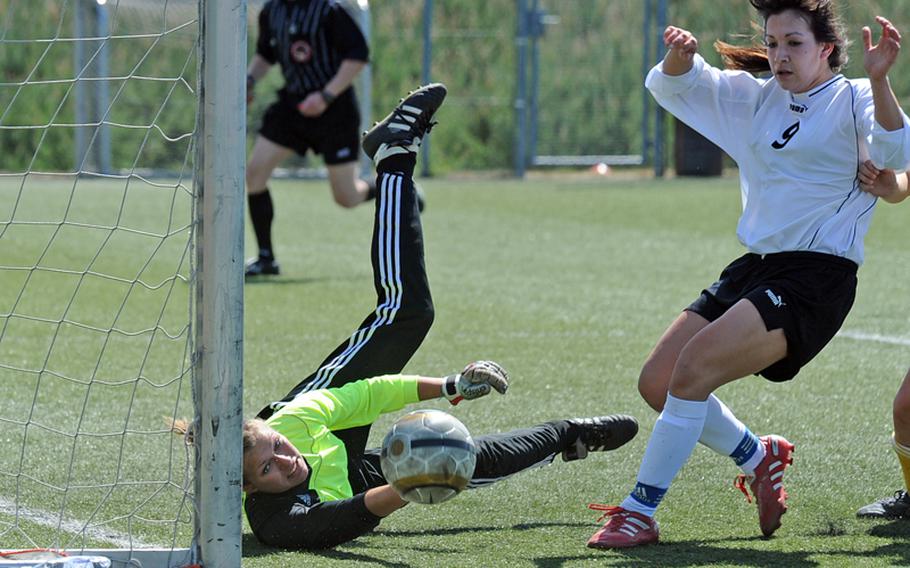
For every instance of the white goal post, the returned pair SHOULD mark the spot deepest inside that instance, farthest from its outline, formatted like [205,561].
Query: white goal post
[121,292]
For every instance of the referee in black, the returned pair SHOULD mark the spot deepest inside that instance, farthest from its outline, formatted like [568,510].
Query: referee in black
[320,50]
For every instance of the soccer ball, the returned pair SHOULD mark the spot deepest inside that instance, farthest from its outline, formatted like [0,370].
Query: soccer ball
[428,456]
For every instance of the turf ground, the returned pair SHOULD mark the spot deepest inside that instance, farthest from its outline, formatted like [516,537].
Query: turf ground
[568,282]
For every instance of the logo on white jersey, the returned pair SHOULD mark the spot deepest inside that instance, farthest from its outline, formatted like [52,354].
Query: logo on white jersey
[798,108]
[778,301]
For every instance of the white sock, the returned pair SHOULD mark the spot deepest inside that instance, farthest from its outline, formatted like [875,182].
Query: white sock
[723,430]
[724,433]
[674,437]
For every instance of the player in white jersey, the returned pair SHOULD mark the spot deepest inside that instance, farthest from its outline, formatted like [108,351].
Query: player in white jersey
[798,136]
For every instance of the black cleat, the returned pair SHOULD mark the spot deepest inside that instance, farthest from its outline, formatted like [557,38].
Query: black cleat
[600,434]
[261,267]
[408,123]
[896,507]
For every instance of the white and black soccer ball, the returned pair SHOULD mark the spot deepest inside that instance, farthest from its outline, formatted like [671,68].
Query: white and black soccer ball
[428,456]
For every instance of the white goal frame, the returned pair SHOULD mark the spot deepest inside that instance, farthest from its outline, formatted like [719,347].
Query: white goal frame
[218,356]
[220,167]
[217,302]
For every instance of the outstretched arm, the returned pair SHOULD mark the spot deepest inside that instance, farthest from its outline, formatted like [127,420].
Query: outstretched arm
[382,501]
[323,525]
[878,60]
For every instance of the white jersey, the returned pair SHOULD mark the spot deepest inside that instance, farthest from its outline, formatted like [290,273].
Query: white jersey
[797,154]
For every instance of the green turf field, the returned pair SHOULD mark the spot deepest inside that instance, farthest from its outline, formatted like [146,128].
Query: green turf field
[568,282]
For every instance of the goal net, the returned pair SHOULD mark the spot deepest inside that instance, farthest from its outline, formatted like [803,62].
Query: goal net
[118,312]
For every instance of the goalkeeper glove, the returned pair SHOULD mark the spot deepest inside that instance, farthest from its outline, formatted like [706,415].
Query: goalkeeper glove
[474,381]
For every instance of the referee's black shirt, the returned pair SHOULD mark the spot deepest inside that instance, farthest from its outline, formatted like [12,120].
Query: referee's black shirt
[309,39]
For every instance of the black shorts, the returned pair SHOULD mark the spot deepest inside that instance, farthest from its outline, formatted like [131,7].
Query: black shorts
[335,134]
[807,294]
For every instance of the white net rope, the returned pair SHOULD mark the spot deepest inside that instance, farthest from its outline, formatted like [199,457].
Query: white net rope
[96,272]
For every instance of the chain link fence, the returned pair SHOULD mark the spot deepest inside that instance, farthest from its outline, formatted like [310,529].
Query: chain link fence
[531,82]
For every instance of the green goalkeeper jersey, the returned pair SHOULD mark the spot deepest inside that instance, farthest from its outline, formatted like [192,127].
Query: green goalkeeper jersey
[309,420]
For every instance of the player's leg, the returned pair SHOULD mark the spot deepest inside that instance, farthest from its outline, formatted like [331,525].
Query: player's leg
[348,190]
[264,159]
[897,506]
[390,335]
[901,413]
[738,344]
[722,431]
[735,345]
[502,455]
[654,379]
[392,332]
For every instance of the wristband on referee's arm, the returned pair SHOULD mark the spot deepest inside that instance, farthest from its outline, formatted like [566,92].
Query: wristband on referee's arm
[328,97]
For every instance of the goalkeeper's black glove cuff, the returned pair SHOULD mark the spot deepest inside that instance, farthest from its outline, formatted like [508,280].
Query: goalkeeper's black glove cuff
[450,389]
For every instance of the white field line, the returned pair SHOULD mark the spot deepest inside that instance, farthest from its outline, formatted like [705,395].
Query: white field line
[48,519]
[863,336]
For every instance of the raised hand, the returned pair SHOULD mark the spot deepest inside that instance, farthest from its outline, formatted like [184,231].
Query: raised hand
[681,46]
[878,58]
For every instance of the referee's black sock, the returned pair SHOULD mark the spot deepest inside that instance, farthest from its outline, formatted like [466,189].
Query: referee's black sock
[262,212]
[403,164]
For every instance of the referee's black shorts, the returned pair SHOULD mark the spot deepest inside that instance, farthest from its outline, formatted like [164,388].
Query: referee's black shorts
[807,294]
[335,134]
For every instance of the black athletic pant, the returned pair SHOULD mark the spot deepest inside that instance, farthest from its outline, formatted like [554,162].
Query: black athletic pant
[498,455]
[390,335]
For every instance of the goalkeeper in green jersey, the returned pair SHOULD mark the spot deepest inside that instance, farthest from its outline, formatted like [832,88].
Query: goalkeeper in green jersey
[309,479]
[310,487]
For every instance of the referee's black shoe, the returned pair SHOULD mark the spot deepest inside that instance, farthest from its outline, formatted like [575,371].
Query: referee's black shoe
[407,124]
[600,434]
[260,266]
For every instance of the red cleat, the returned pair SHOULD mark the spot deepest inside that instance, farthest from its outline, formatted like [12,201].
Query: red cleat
[767,483]
[624,529]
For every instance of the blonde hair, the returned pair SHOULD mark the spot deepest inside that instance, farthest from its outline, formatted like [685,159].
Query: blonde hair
[182,427]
